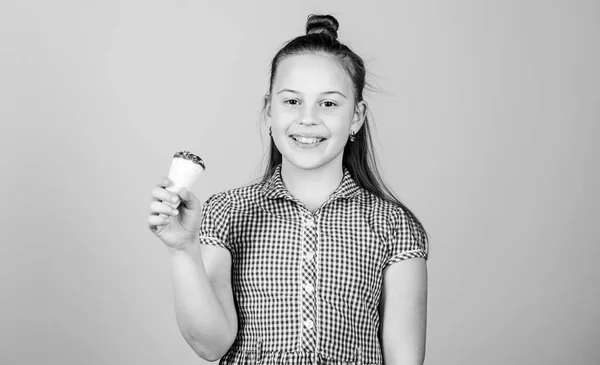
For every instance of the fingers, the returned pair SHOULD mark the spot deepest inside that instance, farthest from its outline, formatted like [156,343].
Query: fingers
[161,209]
[161,194]
[157,208]
[157,221]
[190,200]
[163,182]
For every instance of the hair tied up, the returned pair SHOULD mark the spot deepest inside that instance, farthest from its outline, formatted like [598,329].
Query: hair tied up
[322,24]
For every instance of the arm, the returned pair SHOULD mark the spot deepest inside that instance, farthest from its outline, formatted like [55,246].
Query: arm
[403,312]
[204,304]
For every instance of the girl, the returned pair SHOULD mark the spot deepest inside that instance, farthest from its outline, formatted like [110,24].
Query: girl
[318,263]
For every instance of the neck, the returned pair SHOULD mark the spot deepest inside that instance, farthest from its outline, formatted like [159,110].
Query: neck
[312,187]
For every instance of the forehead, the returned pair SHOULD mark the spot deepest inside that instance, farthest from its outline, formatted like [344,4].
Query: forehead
[311,73]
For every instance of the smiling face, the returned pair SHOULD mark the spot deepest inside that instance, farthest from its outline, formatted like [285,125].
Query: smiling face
[312,110]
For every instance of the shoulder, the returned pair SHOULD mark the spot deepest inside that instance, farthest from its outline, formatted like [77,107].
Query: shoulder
[237,198]
[385,216]
[377,207]
[385,207]
[397,227]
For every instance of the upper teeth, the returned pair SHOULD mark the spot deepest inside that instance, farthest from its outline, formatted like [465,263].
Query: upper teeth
[307,140]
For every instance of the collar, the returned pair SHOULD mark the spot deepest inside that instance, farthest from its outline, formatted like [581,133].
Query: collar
[274,188]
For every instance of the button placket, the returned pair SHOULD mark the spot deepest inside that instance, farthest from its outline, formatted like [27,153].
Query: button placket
[309,276]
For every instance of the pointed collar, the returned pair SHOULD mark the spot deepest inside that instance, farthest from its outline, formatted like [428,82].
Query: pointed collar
[274,188]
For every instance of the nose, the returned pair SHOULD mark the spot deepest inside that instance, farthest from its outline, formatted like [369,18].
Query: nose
[308,116]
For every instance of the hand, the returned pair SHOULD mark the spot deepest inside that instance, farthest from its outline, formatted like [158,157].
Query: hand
[179,227]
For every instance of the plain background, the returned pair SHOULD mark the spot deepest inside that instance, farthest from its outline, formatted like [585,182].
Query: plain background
[486,122]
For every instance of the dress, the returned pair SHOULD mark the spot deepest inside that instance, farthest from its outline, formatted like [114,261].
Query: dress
[307,285]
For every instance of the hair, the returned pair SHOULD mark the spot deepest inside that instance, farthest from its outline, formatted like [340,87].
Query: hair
[359,156]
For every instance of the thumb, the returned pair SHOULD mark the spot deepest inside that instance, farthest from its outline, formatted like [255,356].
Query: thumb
[189,200]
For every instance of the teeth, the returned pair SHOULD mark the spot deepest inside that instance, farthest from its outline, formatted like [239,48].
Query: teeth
[307,140]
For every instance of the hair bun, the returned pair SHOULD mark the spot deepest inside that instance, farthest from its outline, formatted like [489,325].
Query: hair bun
[322,24]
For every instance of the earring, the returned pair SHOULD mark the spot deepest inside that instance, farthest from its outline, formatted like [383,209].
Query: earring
[352,136]
[270,132]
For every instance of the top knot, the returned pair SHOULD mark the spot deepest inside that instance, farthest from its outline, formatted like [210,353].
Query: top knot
[322,24]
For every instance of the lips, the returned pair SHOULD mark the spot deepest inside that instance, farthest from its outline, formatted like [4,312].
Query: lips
[307,139]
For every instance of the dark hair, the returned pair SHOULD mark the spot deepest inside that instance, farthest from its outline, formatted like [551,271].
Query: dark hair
[359,156]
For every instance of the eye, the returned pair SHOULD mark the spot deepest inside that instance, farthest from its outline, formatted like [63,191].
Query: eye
[292,102]
[329,104]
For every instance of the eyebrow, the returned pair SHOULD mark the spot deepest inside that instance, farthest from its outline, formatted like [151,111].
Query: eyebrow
[323,93]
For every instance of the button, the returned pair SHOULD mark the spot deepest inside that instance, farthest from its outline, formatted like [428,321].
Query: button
[309,288]
[309,324]
[309,223]
[309,256]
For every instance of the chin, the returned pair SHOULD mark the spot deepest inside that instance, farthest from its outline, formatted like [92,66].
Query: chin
[310,162]
[311,159]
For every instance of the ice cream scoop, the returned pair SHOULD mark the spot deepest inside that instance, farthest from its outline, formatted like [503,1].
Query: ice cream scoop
[185,171]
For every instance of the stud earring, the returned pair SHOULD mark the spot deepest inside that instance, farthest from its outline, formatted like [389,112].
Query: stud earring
[352,136]
[270,132]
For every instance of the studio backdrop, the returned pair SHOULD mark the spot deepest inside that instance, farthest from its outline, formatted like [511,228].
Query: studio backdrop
[486,121]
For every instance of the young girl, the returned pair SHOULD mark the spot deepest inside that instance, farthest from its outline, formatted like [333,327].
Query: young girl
[318,263]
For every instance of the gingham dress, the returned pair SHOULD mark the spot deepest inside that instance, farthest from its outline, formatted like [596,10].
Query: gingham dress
[307,285]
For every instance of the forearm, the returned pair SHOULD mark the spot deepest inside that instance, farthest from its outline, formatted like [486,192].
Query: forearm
[397,350]
[409,357]
[200,316]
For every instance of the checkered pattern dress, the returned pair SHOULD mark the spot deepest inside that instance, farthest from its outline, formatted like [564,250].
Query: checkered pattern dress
[307,285]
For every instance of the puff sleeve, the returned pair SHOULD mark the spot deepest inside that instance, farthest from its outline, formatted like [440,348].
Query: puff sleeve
[214,227]
[406,239]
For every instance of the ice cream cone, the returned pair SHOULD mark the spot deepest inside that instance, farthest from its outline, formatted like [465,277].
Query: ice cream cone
[186,169]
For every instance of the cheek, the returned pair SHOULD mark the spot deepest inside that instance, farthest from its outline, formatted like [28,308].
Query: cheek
[350,115]
[280,114]
[341,124]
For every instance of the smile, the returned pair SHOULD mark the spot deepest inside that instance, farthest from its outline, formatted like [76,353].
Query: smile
[307,142]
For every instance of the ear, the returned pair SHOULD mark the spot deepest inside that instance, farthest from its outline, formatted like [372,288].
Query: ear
[360,113]
[266,112]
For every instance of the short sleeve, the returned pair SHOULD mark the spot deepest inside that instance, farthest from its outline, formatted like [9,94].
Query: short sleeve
[406,240]
[214,226]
